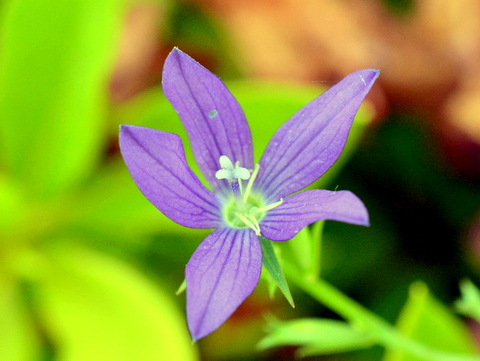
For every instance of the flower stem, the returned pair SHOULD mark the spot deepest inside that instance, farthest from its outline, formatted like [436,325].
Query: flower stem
[385,334]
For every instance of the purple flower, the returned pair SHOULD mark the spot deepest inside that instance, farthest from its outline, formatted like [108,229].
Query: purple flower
[247,200]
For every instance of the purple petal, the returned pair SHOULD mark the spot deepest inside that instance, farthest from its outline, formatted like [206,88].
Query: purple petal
[157,163]
[214,120]
[304,208]
[223,271]
[310,142]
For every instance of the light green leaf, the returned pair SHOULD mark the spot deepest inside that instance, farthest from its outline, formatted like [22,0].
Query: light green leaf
[271,264]
[112,205]
[316,336]
[18,341]
[469,304]
[426,320]
[56,57]
[95,307]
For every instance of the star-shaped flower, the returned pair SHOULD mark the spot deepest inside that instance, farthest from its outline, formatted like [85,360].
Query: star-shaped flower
[246,200]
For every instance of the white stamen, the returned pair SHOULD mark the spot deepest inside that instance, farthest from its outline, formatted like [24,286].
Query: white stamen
[255,226]
[271,206]
[250,182]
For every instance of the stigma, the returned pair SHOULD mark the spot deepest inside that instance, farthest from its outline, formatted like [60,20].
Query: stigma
[229,172]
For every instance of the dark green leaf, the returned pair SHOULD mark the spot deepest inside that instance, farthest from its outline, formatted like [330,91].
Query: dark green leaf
[271,264]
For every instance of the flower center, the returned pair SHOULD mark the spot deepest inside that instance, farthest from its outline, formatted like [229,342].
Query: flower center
[245,209]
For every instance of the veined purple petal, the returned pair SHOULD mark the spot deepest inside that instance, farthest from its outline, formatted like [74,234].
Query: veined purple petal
[156,161]
[304,208]
[223,271]
[309,143]
[214,120]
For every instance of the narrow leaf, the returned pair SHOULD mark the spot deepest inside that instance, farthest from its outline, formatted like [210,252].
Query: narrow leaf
[272,265]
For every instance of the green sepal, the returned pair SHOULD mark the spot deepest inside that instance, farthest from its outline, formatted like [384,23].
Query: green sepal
[272,265]
[181,288]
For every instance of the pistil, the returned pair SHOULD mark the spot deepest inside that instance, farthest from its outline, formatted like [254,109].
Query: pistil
[237,194]
[233,175]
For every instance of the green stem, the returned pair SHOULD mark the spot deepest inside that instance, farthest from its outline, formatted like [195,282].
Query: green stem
[365,320]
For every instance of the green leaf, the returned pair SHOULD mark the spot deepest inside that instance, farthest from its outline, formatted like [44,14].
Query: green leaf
[469,304]
[56,57]
[271,264]
[18,341]
[95,307]
[426,320]
[316,336]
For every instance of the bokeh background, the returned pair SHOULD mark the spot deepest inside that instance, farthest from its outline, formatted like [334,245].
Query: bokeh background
[89,269]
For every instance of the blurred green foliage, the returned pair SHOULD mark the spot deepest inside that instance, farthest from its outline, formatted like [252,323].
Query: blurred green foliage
[61,298]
